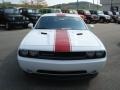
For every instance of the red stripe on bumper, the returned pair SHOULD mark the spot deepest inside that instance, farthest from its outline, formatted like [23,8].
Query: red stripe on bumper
[62,43]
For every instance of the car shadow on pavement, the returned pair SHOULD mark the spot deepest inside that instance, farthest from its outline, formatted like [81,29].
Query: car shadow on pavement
[12,78]
[13,29]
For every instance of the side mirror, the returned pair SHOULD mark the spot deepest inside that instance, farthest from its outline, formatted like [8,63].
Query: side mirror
[30,25]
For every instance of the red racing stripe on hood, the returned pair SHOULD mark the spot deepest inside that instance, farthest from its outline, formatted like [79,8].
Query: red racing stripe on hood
[62,43]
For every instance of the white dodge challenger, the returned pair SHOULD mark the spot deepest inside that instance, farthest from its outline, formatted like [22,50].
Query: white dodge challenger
[61,44]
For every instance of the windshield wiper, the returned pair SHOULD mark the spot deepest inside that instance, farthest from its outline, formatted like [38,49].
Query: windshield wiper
[41,28]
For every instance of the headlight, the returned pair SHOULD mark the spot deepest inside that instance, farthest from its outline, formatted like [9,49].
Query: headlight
[100,54]
[23,18]
[13,18]
[118,17]
[96,54]
[27,18]
[37,17]
[28,53]
[23,53]
[90,54]
[33,53]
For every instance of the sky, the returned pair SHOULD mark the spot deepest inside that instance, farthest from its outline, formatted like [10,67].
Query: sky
[54,2]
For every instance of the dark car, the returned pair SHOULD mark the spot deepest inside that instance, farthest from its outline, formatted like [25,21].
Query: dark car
[90,18]
[32,14]
[113,16]
[102,17]
[10,17]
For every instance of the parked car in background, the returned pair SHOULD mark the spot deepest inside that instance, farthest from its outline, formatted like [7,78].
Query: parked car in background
[65,11]
[117,16]
[82,16]
[49,10]
[61,45]
[110,13]
[102,17]
[90,18]
[32,14]
[71,11]
[10,17]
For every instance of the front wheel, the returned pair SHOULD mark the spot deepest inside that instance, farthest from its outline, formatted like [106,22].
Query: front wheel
[88,21]
[102,20]
[28,74]
[25,26]
[94,75]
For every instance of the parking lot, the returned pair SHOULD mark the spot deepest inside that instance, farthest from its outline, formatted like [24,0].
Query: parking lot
[12,77]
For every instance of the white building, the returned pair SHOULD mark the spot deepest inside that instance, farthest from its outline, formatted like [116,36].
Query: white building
[108,4]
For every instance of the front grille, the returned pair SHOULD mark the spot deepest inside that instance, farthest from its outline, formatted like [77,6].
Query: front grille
[18,19]
[62,72]
[62,55]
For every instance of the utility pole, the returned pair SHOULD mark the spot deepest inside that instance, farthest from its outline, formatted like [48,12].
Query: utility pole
[97,5]
[3,3]
[77,4]
[89,6]
[111,5]
[93,4]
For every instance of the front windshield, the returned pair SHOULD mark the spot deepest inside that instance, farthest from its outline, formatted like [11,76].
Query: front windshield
[117,13]
[60,22]
[93,12]
[100,12]
[110,13]
[33,11]
[87,12]
[56,11]
[12,11]
[75,12]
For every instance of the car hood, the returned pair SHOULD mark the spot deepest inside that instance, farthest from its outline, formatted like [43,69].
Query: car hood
[35,15]
[104,15]
[48,39]
[14,15]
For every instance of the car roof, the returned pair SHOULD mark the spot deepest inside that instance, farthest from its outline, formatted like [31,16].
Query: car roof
[60,14]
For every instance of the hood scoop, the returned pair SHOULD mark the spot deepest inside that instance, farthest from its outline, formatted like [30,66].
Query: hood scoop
[43,33]
[79,34]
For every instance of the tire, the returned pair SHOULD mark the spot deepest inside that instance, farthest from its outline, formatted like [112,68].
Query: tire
[118,22]
[88,21]
[28,74]
[94,75]
[112,21]
[7,26]
[25,26]
[94,22]
[102,20]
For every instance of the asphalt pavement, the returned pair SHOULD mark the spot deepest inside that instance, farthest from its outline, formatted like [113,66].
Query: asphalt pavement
[12,77]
